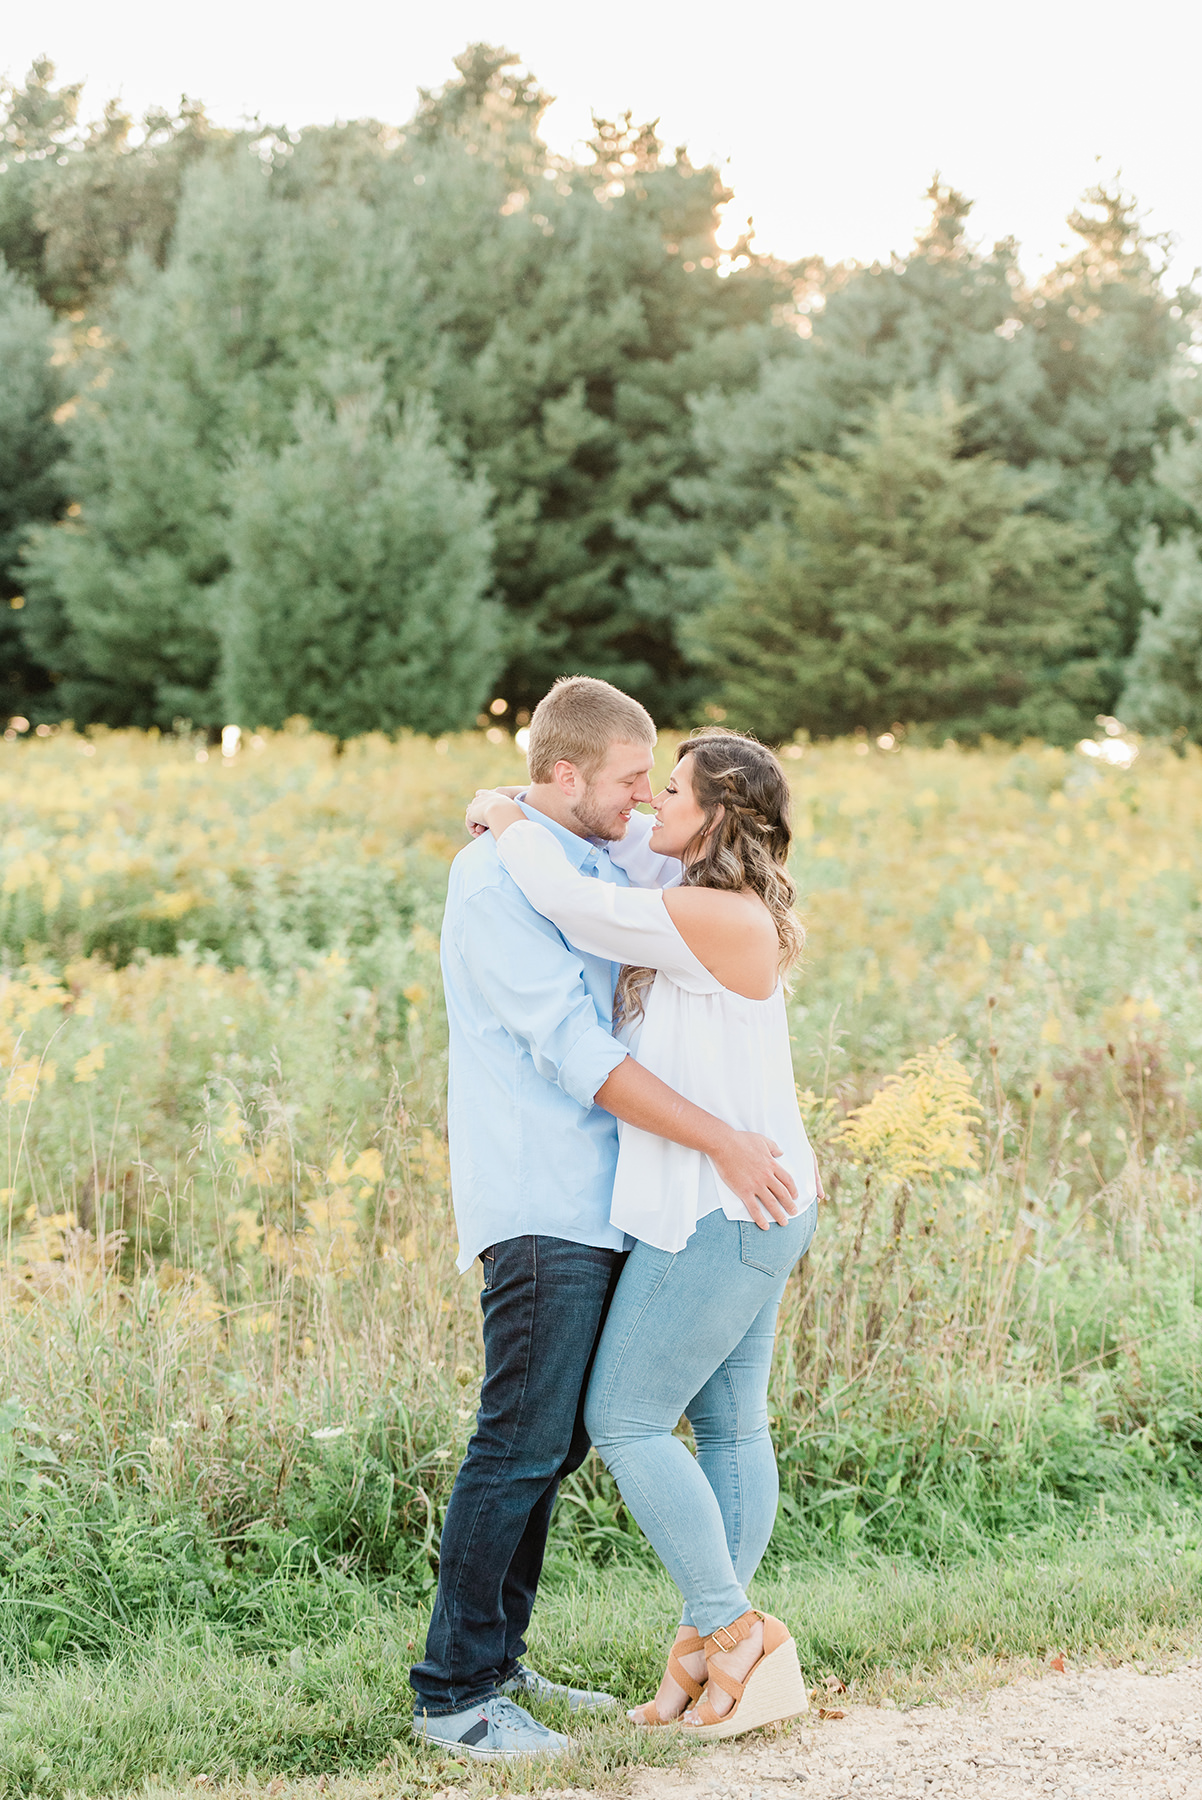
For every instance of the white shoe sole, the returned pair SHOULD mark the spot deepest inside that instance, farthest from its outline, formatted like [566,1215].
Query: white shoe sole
[451,1748]
[775,1690]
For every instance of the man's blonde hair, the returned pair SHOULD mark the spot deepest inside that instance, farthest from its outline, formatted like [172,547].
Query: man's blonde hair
[577,722]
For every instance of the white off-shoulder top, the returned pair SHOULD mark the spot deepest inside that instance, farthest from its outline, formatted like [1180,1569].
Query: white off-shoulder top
[719,1049]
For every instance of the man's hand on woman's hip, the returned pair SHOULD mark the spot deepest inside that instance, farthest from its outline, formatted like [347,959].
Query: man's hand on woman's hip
[747,1163]
[744,1160]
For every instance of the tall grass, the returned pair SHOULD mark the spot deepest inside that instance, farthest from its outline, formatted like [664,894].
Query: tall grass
[238,1365]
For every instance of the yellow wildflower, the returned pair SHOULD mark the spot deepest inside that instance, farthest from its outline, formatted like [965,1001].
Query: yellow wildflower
[920,1124]
[88,1066]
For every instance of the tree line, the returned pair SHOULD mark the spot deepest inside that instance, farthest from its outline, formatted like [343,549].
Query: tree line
[375,423]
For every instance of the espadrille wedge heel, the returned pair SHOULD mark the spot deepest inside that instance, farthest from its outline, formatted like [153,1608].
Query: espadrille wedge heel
[774,1689]
[649,1714]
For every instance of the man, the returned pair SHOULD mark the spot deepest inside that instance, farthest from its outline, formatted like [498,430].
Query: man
[537,1084]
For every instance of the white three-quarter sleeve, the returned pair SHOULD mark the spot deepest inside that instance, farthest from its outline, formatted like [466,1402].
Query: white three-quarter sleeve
[627,925]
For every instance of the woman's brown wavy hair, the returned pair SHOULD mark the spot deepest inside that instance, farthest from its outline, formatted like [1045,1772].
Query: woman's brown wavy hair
[743,843]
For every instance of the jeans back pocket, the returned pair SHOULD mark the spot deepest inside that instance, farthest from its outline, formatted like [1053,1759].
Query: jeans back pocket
[775,1251]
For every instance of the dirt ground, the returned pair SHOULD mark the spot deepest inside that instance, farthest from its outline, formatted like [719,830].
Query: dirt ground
[1113,1734]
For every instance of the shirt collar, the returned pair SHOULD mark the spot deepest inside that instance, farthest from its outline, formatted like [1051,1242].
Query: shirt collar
[578,849]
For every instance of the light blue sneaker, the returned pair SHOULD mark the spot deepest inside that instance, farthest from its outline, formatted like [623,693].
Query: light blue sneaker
[494,1731]
[526,1681]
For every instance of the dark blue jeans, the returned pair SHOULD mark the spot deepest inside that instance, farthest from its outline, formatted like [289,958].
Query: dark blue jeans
[544,1304]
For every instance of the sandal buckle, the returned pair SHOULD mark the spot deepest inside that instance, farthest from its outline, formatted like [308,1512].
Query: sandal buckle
[724,1631]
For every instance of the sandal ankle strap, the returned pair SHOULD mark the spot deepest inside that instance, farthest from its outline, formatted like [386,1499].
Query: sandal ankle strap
[723,1640]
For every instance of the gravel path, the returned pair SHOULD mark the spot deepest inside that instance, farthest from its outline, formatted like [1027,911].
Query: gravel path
[1112,1734]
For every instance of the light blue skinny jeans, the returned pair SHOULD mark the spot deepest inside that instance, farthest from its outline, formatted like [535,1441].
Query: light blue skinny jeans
[692,1334]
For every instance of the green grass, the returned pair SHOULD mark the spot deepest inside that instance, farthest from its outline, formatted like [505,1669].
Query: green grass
[173,1705]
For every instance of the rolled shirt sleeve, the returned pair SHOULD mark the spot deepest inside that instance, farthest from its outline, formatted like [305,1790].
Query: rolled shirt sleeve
[536,991]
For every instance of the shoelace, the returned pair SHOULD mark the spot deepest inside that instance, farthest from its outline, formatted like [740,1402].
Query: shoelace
[533,1683]
[508,1712]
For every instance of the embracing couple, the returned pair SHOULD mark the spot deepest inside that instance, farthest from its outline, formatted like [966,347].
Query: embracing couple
[630,1167]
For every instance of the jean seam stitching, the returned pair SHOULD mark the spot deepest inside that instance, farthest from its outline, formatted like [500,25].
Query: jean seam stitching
[733,1452]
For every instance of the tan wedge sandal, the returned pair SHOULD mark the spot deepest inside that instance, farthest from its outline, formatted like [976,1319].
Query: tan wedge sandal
[774,1689]
[648,1714]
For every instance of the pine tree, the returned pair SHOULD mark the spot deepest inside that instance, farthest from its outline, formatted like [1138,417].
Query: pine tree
[76,205]
[906,582]
[37,126]
[360,559]
[1163,692]
[629,397]
[938,322]
[120,595]
[31,451]
[1071,380]
[1106,337]
[558,326]
[262,302]
[114,197]
[582,311]
[492,108]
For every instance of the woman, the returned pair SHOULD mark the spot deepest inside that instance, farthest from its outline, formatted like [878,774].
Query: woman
[700,1002]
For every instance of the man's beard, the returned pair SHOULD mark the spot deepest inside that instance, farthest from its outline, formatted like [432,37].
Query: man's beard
[594,823]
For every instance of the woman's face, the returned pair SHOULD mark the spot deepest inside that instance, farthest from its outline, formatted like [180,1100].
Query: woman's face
[678,817]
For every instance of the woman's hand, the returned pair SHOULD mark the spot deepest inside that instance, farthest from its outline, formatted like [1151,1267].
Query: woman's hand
[476,818]
[492,809]
[504,793]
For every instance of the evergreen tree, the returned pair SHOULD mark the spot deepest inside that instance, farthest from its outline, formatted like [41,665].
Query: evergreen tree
[492,108]
[120,595]
[1163,692]
[262,302]
[360,558]
[937,322]
[31,450]
[37,126]
[629,397]
[559,327]
[76,205]
[113,197]
[942,321]
[1071,380]
[1106,337]
[581,311]
[907,582]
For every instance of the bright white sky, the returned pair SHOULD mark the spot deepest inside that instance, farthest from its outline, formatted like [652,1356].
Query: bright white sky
[829,119]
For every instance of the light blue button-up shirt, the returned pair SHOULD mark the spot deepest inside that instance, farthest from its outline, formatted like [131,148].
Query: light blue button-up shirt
[530,1045]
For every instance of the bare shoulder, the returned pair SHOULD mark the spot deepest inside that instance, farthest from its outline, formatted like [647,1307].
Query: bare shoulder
[715,910]
[732,934]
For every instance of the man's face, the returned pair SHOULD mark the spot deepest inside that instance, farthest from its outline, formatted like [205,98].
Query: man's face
[602,806]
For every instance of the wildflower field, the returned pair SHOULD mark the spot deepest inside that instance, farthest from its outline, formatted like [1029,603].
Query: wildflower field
[238,1367]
